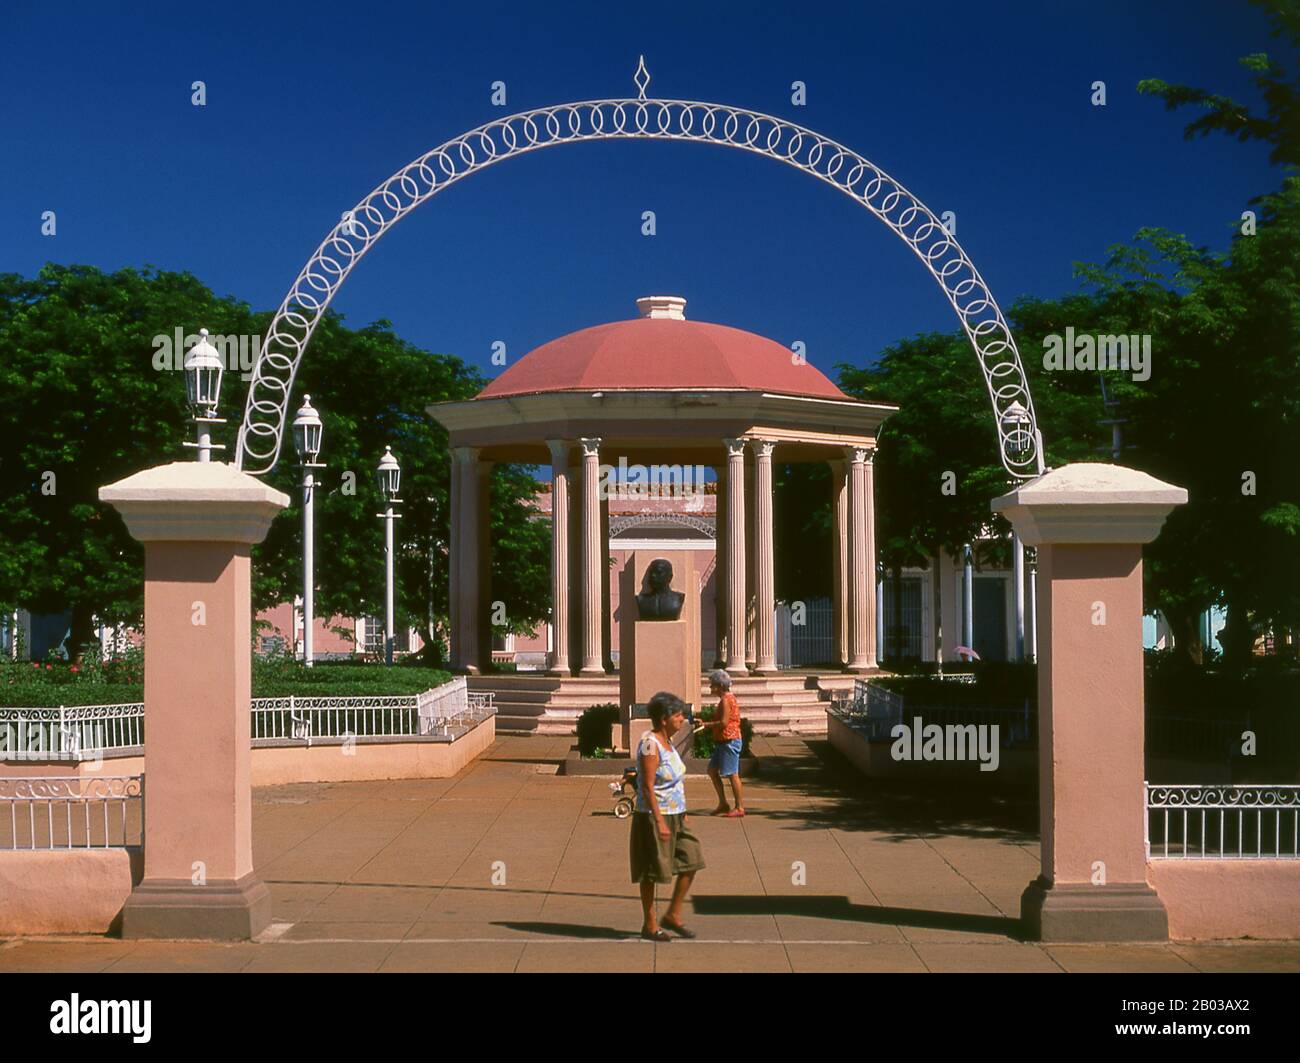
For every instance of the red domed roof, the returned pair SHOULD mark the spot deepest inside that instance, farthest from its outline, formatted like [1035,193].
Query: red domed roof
[661,352]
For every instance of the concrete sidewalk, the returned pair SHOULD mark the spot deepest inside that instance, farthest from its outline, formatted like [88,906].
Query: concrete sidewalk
[509,867]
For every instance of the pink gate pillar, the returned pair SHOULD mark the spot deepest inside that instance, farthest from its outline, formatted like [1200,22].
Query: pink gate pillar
[197,522]
[1089,522]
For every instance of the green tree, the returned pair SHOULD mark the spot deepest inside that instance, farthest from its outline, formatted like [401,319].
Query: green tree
[1279,124]
[373,390]
[1236,335]
[83,406]
[83,399]
[1221,417]
[938,466]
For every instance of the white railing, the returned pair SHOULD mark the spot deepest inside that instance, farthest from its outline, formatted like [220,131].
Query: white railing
[453,705]
[306,718]
[80,732]
[1223,822]
[71,812]
[87,732]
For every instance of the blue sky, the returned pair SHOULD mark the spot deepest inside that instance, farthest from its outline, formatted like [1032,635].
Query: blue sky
[982,109]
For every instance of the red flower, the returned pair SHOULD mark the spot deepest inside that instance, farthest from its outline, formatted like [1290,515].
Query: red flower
[74,668]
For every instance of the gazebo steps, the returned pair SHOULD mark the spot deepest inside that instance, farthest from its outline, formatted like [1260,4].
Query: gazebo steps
[786,703]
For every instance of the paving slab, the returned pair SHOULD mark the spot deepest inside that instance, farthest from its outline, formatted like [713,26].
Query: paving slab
[412,957]
[632,956]
[997,957]
[873,958]
[184,957]
[1268,957]
[1119,959]
[73,954]
[353,957]
[694,956]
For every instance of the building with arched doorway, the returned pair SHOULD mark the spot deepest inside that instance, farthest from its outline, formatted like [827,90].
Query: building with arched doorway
[662,406]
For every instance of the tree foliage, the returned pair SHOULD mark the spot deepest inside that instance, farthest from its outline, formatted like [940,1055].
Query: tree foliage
[1279,124]
[84,405]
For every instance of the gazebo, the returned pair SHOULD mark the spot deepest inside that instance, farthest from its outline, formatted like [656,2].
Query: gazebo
[662,391]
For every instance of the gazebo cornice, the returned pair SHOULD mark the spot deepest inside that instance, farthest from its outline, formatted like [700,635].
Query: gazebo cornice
[573,413]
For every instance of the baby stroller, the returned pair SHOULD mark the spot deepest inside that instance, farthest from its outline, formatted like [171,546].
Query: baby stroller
[624,801]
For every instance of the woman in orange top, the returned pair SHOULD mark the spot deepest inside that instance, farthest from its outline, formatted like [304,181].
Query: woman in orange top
[725,725]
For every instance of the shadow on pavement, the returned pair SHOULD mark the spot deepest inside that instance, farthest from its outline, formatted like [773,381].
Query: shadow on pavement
[844,799]
[571,930]
[841,908]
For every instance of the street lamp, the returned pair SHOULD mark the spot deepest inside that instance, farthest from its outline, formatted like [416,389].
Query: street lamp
[390,477]
[203,370]
[307,432]
[1015,426]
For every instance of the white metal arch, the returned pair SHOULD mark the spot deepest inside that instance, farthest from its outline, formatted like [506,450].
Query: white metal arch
[261,433]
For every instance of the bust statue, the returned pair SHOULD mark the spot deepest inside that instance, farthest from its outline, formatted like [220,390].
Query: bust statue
[657,600]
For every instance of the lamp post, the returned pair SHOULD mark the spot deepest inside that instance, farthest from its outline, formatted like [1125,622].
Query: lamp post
[968,598]
[390,476]
[203,370]
[1015,424]
[1031,648]
[307,433]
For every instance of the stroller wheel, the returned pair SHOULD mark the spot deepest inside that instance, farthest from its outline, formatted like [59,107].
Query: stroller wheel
[623,809]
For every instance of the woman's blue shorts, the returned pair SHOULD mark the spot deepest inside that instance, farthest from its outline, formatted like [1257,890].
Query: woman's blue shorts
[726,757]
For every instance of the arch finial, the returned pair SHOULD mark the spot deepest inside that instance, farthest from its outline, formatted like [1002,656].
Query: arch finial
[641,78]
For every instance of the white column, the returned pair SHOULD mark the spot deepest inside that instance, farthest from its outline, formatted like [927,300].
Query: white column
[467,539]
[592,606]
[873,602]
[454,561]
[736,557]
[840,559]
[860,579]
[764,559]
[483,554]
[721,598]
[559,555]
[882,646]
[968,598]
[751,581]
[1018,592]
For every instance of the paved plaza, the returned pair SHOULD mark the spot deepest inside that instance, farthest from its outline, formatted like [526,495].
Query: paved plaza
[509,867]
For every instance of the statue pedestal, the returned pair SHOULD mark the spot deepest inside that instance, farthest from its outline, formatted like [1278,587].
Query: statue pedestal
[657,655]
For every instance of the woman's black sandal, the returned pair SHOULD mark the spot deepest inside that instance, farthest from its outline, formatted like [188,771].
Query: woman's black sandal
[678,929]
[657,935]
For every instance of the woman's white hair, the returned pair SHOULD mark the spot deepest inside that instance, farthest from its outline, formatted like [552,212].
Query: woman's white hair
[721,678]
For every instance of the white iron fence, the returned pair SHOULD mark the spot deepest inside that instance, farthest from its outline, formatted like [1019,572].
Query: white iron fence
[71,812]
[88,732]
[73,733]
[286,719]
[1223,822]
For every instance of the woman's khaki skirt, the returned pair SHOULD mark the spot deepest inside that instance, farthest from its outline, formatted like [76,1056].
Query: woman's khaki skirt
[656,859]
